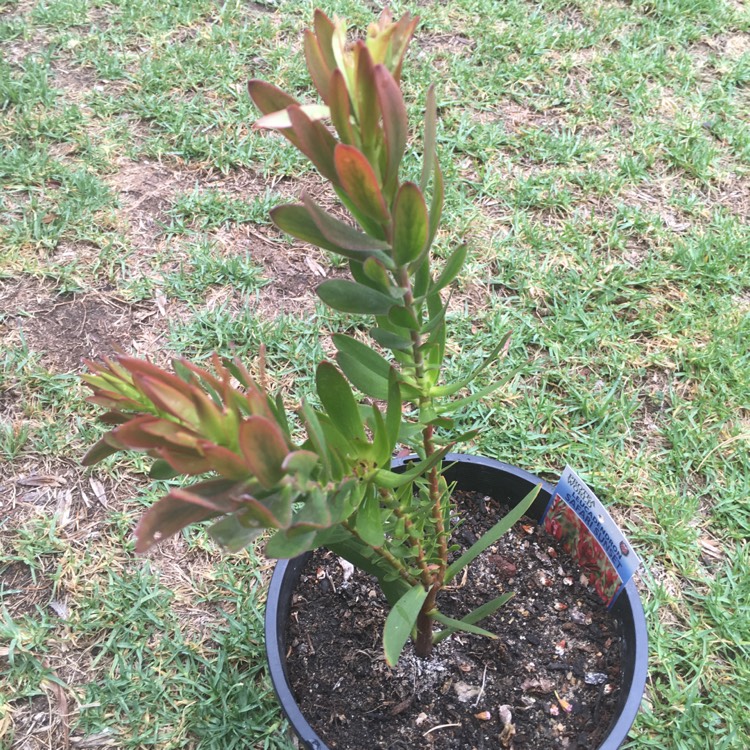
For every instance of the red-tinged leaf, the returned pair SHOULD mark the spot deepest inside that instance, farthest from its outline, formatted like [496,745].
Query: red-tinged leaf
[136,435]
[264,449]
[340,234]
[180,508]
[430,137]
[137,366]
[324,29]
[295,220]
[368,113]
[395,123]
[360,183]
[166,398]
[165,432]
[224,462]
[182,461]
[268,98]
[349,296]
[97,452]
[317,65]
[206,377]
[112,400]
[402,35]
[114,418]
[315,142]
[409,224]
[109,370]
[339,402]
[273,512]
[340,108]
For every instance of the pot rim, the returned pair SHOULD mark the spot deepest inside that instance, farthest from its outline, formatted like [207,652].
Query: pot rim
[628,609]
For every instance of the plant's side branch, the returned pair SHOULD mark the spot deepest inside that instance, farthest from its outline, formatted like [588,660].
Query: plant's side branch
[395,563]
[414,542]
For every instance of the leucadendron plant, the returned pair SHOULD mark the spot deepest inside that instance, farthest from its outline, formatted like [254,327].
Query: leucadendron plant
[324,478]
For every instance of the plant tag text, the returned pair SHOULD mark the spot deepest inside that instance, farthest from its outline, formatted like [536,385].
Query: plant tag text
[577,518]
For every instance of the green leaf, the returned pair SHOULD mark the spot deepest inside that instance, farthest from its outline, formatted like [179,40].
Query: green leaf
[490,537]
[409,224]
[369,358]
[351,297]
[232,534]
[476,615]
[160,469]
[314,513]
[341,234]
[358,179]
[393,414]
[167,398]
[393,480]
[317,438]
[223,461]
[285,544]
[462,403]
[452,268]
[404,318]
[455,625]
[301,462]
[430,137]
[389,340]
[369,522]
[264,449]
[338,400]
[375,272]
[401,621]
[451,388]
[436,204]
[362,377]
[100,451]
[295,220]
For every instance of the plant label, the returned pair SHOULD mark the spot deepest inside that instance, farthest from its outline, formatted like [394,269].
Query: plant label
[577,518]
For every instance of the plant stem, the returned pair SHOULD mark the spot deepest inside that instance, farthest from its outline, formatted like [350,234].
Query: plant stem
[396,564]
[423,644]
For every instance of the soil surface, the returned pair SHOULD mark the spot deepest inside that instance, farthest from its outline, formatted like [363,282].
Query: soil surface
[550,681]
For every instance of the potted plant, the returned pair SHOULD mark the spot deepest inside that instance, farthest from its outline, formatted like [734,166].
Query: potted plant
[325,478]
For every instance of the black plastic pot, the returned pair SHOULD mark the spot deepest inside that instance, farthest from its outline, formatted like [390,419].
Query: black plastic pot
[505,483]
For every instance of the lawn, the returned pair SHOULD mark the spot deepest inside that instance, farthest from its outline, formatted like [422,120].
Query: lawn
[597,161]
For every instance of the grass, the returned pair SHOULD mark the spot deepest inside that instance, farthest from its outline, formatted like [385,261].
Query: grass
[596,157]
